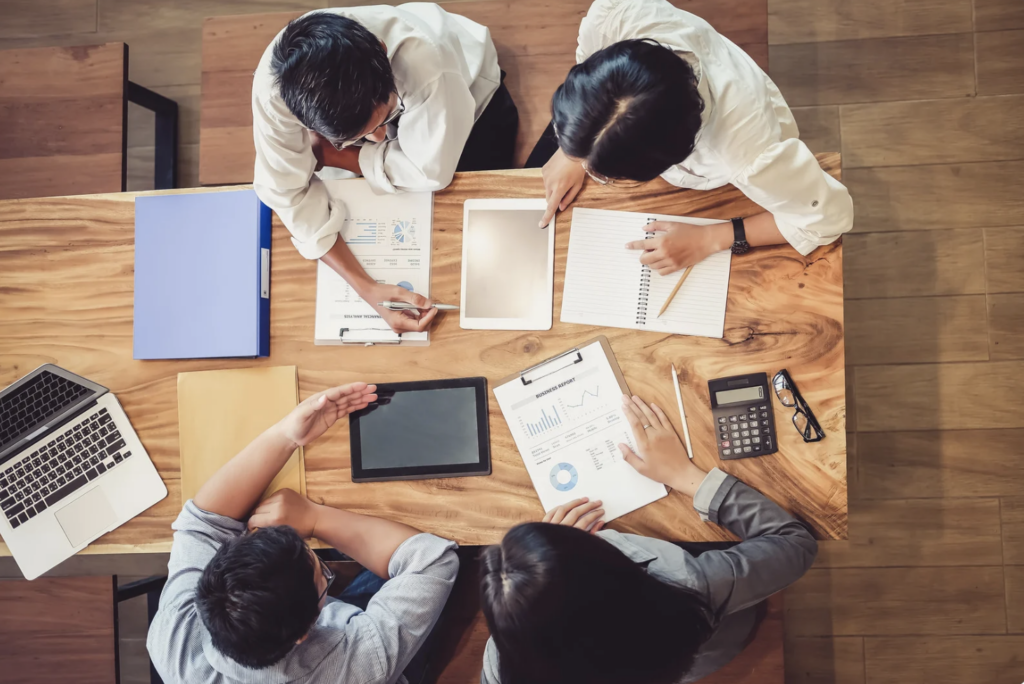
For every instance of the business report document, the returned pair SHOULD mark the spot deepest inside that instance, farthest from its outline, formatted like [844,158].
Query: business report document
[390,236]
[567,425]
[606,285]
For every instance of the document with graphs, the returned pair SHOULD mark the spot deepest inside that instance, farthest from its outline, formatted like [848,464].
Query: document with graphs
[390,235]
[566,419]
[605,283]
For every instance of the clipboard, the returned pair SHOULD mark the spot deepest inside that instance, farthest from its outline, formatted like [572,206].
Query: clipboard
[567,423]
[565,360]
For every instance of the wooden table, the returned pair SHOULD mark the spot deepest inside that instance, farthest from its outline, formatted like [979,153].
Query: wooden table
[66,277]
[536,43]
[64,122]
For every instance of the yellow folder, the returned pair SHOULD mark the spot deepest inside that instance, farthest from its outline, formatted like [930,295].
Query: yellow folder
[220,412]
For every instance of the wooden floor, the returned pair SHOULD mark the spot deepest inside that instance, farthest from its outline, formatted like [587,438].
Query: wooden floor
[925,99]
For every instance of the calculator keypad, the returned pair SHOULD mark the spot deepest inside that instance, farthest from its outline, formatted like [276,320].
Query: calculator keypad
[745,431]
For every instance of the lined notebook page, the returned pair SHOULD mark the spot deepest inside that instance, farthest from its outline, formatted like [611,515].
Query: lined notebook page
[606,285]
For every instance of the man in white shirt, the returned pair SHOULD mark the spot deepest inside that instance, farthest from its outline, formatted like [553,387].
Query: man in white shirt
[403,96]
[658,92]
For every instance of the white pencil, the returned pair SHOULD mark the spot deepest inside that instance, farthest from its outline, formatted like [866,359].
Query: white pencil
[682,414]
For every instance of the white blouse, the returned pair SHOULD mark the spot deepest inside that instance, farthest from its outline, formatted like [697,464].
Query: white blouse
[446,71]
[748,137]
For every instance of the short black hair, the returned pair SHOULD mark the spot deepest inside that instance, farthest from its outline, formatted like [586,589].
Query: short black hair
[258,596]
[333,73]
[631,110]
[565,606]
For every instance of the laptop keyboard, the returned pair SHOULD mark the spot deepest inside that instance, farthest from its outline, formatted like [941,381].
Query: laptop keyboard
[33,404]
[62,466]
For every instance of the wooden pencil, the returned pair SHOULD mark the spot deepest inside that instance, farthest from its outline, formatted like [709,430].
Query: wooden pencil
[672,295]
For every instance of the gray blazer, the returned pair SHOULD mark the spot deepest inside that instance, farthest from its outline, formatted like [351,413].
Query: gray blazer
[775,552]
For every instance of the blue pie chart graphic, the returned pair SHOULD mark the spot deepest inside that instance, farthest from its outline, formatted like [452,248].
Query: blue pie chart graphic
[406,284]
[564,477]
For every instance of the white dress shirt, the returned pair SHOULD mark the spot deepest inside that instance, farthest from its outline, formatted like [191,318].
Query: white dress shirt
[446,70]
[748,137]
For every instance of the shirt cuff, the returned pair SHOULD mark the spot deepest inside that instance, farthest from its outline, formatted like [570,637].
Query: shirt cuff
[711,494]
[799,239]
[316,249]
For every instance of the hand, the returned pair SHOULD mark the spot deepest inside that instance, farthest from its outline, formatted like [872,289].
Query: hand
[286,507]
[680,245]
[402,321]
[315,415]
[583,514]
[563,179]
[662,456]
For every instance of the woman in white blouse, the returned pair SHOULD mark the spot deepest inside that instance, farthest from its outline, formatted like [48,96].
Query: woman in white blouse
[658,92]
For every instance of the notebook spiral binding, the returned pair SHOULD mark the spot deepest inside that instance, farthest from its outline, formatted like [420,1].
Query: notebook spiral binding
[645,285]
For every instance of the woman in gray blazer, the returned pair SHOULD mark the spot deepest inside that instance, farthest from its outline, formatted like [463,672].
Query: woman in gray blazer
[568,602]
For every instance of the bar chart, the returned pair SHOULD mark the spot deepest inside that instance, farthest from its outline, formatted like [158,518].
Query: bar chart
[548,419]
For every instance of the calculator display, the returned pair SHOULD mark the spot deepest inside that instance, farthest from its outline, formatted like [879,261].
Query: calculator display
[745,394]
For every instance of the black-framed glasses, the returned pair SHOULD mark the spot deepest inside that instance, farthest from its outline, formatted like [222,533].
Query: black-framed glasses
[328,575]
[803,419]
[398,111]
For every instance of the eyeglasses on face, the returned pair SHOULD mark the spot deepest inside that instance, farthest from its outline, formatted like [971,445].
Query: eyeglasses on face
[328,575]
[803,418]
[391,118]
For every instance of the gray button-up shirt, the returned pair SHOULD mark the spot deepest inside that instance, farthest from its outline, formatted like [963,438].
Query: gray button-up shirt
[345,644]
[776,551]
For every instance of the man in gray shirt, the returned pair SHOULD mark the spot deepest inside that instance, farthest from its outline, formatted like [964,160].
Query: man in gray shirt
[247,602]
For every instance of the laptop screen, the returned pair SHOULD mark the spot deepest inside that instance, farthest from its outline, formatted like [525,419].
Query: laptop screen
[27,407]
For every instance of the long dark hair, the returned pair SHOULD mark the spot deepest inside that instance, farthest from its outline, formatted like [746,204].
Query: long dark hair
[631,110]
[565,606]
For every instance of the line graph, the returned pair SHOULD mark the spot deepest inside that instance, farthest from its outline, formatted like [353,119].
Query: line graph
[583,397]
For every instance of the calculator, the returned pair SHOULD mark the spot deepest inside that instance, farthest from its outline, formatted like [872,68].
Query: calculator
[743,416]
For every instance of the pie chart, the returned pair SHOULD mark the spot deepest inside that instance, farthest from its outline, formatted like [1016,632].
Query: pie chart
[403,232]
[564,477]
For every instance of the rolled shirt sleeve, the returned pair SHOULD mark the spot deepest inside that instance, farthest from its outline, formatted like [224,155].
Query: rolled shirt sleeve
[399,617]
[431,134]
[284,180]
[811,208]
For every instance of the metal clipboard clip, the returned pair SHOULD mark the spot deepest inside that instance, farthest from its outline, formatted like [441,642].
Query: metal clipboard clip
[366,337]
[564,360]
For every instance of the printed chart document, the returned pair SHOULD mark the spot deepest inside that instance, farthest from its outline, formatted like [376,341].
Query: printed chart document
[606,285]
[567,425]
[390,235]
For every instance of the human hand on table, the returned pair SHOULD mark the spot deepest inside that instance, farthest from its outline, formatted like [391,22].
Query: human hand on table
[402,321]
[318,413]
[660,455]
[583,514]
[680,245]
[286,507]
[563,179]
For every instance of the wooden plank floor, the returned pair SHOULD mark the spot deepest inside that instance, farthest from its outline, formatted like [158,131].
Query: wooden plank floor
[925,100]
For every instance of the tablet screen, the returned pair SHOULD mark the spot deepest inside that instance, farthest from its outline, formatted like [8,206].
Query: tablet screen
[433,427]
[506,262]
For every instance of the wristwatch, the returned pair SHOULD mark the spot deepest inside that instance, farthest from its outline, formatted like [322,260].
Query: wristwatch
[739,237]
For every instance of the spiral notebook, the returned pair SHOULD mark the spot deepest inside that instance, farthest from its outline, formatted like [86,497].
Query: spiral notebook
[606,285]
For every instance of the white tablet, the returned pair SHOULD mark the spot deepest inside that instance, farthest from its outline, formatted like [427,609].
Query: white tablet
[508,265]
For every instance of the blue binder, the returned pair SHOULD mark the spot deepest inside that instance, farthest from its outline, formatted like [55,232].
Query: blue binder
[202,276]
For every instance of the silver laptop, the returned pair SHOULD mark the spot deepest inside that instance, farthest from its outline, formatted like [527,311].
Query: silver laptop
[71,467]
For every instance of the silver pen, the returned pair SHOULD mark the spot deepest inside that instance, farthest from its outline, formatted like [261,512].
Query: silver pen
[405,306]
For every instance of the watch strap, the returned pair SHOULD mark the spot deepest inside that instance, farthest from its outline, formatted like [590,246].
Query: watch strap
[739,236]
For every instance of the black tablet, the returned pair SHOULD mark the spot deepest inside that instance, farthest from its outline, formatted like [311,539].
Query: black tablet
[419,430]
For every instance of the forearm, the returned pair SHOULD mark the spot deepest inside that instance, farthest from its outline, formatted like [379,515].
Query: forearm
[368,540]
[235,489]
[344,262]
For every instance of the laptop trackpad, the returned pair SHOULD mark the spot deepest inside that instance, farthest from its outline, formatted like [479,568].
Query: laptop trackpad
[86,517]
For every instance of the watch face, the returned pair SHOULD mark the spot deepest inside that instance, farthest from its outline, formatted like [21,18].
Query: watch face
[740,247]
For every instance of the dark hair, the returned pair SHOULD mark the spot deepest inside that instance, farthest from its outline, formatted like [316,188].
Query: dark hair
[566,606]
[333,73]
[631,110]
[258,596]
